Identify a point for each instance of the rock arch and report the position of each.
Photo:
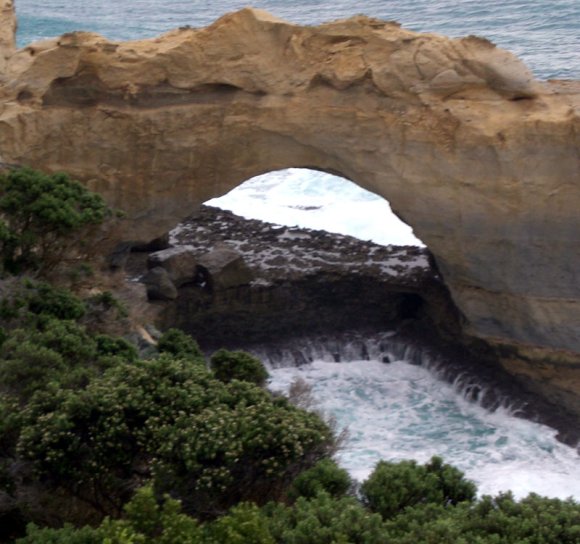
(482, 160)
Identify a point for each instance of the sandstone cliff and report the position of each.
(480, 159)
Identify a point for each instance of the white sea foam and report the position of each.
(316, 200)
(400, 411)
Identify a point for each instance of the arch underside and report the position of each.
(480, 160)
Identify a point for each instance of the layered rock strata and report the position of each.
(482, 160)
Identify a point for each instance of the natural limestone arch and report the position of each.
(478, 157)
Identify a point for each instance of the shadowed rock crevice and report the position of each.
(87, 90)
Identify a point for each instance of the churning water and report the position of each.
(395, 410)
(401, 411)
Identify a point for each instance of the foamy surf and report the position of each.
(316, 200)
(401, 411)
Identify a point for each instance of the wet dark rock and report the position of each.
(159, 285)
(179, 262)
(225, 268)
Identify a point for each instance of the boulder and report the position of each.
(223, 268)
(159, 285)
(180, 264)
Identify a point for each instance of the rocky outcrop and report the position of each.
(180, 263)
(318, 295)
(481, 160)
(257, 283)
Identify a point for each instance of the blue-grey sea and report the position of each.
(393, 411)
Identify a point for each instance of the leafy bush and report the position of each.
(326, 476)
(146, 521)
(176, 342)
(45, 299)
(394, 486)
(44, 219)
(325, 520)
(492, 520)
(116, 347)
(57, 351)
(25, 302)
(67, 535)
(209, 443)
(244, 524)
(454, 487)
(238, 365)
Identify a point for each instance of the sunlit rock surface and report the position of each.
(481, 160)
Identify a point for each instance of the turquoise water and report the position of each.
(401, 411)
(393, 411)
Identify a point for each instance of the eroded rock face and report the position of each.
(479, 158)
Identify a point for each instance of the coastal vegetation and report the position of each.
(102, 441)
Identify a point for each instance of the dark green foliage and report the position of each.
(326, 476)
(57, 351)
(27, 302)
(238, 365)
(214, 444)
(394, 486)
(151, 521)
(43, 219)
(492, 520)
(176, 342)
(454, 487)
(325, 520)
(44, 299)
(244, 524)
(67, 535)
(116, 347)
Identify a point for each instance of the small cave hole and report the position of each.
(411, 306)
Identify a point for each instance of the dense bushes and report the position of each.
(211, 444)
(176, 342)
(392, 487)
(44, 220)
(93, 422)
(326, 476)
(238, 365)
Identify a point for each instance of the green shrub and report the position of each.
(244, 524)
(454, 487)
(492, 520)
(394, 486)
(324, 520)
(28, 303)
(238, 365)
(176, 342)
(44, 219)
(208, 443)
(67, 535)
(115, 347)
(151, 521)
(45, 299)
(57, 351)
(326, 476)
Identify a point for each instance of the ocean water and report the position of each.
(401, 411)
(398, 410)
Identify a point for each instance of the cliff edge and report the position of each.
(478, 157)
